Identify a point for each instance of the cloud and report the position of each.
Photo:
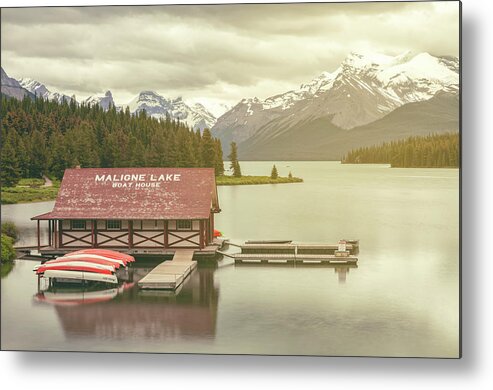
(215, 51)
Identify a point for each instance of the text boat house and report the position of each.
(133, 209)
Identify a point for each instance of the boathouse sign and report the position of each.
(141, 180)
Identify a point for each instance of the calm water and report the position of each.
(401, 300)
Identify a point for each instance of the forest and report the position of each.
(41, 137)
(432, 151)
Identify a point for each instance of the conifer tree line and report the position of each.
(46, 137)
(432, 151)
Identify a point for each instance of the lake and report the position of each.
(401, 300)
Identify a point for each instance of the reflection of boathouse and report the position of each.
(149, 314)
(133, 209)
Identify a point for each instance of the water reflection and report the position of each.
(341, 270)
(5, 269)
(76, 296)
(131, 313)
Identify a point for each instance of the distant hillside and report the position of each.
(432, 151)
(320, 139)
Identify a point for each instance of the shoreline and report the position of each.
(24, 194)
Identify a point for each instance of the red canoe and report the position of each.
(69, 267)
(87, 259)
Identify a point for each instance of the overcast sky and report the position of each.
(213, 54)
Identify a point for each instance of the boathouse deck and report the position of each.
(208, 252)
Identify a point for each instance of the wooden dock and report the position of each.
(292, 258)
(170, 274)
(287, 252)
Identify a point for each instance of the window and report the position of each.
(184, 224)
(113, 224)
(76, 224)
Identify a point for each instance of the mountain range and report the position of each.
(370, 98)
(348, 108)
(195, 115)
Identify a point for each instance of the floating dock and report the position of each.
(286, 259)
(289, 252)
(170, 274)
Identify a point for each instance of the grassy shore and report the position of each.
(32, 190)
(252, 180)
(29, 190)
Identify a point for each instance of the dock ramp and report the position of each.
(170, 274)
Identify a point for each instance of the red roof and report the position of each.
(136, 193)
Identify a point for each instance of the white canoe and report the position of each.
(78, 275)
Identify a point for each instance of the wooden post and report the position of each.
(165, 233)
(49, 232)
(212, 227)
(95, 221)
(201, 223)
(39, 238)
(92, 233)
(55, 236)
(130, 234)
(60, 226)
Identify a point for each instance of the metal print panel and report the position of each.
(278, 179)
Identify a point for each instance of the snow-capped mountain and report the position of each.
(105, 101)
(364, 88)
(40, 90)
(11, 87)
(195, 116)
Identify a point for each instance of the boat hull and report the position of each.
(80, 276)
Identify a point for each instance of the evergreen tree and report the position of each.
(273, 173)
(208, 150)
(219, 167)
(39, 155)
(233, 158)
(48, 137)
(60, 158)
(9, 164)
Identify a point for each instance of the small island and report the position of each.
(252, 180)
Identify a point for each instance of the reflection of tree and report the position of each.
(5, 269)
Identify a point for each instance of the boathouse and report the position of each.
(132, 209)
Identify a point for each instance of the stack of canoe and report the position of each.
(97, 265)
